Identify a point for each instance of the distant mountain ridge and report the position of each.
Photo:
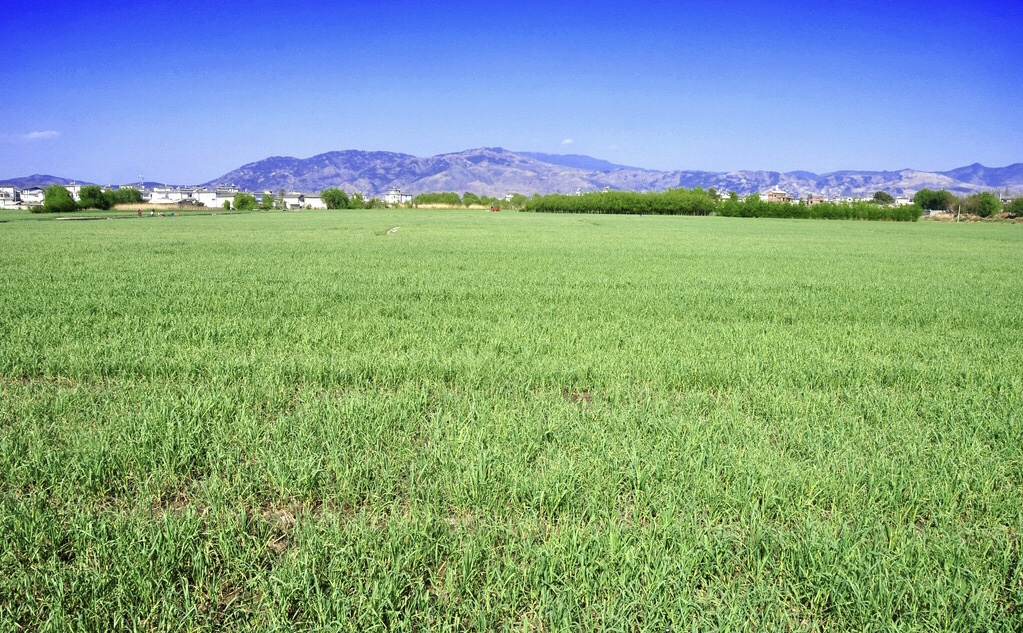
(37, 180)
(495, 171)
(577, 161)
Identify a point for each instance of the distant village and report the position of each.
(12, 197)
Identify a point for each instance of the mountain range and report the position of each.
(497, 171)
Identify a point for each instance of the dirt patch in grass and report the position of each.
(576, 396)
(282, 521)
(175, 503)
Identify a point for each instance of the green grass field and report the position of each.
(509, 421)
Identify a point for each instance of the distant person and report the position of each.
(140, 213)
(152, 213)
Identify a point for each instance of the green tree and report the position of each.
(1015, 207)
(92, 197)
(57, 199)
(935, 200)
(985, 204)
(449, 198)
(989, 204)
(245, 201)
(883, 197)
(469, 199)
(124, 195)
(266, 201)
(227, 205)
(335, 198)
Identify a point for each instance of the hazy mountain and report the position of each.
(986, 176)
(577, 161)
(490, 171)
(496, 172)
(39, 180)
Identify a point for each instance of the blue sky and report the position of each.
(183, 91)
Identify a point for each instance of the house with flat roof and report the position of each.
(168, 195)
(775, 195)
(815, 199)
(10, 197)
(32, 196)
(299, 200)
(395, 196)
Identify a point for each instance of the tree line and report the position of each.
(334, 198)
(697, 201)
(984, 203)
(700, 202)
(467, 199)
(57, 198)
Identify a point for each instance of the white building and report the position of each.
(395, 196)
(10, 197)
(211, 198)
(206, 197)
(75, 190)
(168, 195)
(32, 196)
(215, 198)
(298, 200)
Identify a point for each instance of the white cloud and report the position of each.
(567, 141)
(40, 136)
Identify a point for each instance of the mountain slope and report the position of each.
(38, 180)
(576, 161)
(495, 171)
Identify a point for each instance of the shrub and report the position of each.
(449, 198)
(58, 199)
(92, 197)
(335, 198)
(245, 201)
(124, 195)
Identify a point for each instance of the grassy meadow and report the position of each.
(509, 421)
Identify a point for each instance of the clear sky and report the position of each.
(184, 91)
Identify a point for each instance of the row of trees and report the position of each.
(335, 198)
(57, 198)
(984, 203)
(699, 202)
(467, 199)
